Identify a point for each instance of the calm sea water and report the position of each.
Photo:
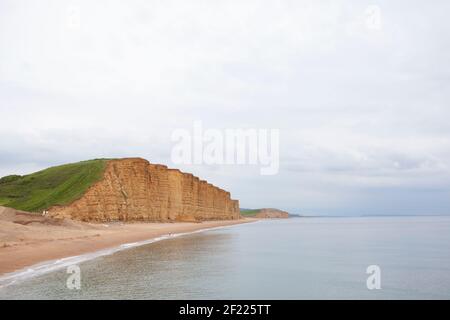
(298, 258)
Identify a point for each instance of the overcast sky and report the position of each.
(358, 89)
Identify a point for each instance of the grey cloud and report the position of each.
(362, 113)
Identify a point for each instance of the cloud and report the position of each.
(361, 103)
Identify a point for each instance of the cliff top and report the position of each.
(58, 185)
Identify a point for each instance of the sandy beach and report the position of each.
(27, 239)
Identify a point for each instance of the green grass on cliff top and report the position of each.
(59, 185)
(249, 212)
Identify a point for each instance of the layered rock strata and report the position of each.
(136, 190)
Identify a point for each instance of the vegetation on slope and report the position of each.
(249, 212)
(59, 185)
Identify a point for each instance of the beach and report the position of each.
(297, 258)
(26, 239)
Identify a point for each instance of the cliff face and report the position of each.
(136, 190)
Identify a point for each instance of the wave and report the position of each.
(57, 264)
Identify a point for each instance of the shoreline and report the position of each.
(109, 238)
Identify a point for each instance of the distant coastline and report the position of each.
(265, 213)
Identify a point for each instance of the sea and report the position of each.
(295, 258)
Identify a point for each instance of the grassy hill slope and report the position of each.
(249, 212)
(53, 186)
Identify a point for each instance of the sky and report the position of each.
(359, 91)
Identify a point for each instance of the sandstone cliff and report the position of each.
(136, 190)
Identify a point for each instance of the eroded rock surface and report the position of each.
(136, 190)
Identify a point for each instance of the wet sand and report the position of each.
(27, 239)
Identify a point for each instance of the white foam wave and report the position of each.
(54, 265)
